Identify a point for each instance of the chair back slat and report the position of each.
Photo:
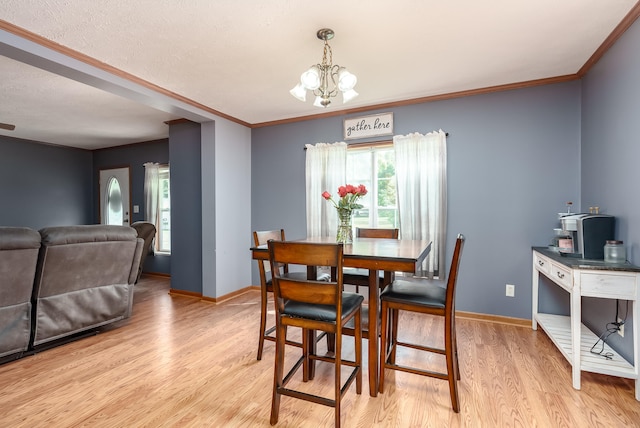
(306, 254)
(316, 292)
(362, 232)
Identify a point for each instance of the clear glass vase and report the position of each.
(345, 229)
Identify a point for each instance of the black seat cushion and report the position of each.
(327, 313)
(418, 292)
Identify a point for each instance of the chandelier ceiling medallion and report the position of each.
(326, 80)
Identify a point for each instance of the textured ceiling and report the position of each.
(240, 58)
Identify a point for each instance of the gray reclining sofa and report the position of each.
(77, 278)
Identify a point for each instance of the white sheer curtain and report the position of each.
(151, 191)
(421, 174)
(326, 169)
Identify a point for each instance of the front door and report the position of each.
(114, 196)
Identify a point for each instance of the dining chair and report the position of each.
(424, 297)
(360, 277)
(266, 287)
(313, 305)
(147, 231)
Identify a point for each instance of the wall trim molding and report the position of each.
(430, 98)
(230, 296)
(498, 319)
(617, 32)
(184, 293)
(158, 274)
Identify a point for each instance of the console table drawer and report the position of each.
(541, 263)
(561, 276)
(608, 285)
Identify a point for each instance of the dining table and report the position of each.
(375, 255)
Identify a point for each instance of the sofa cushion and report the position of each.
(61, 235)
(19, 248)
(18, 238)
(84, 279)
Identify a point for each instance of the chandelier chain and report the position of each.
(327, 48)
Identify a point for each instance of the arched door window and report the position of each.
(114, 202)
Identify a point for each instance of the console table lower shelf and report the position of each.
(558, 328)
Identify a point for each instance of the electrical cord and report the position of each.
(612, 327)
(626, 312)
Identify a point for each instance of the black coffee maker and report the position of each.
(589, 233)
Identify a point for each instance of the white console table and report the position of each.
(592, 279)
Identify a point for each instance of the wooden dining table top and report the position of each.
(396, 255)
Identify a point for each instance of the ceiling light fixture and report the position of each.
(325, 80)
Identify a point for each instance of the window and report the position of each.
(374, 166)
(114, 202)
(163, 243)
(157, 196)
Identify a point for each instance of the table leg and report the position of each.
(310, 369)
(576, 333)
(636, 339)
(535, 282)
(374, 298)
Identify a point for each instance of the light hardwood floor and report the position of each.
(182, 362)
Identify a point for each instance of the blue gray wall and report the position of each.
(186, 207)
(44, 185)
(610, 153)
(512, 165)
(134, 156)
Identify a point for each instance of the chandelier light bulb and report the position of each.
(299, 92)
(346, 81)
(311, 78)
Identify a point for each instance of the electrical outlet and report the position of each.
(621, 327)
(510, 290)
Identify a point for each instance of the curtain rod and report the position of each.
(373, 143)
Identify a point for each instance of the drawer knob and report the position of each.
(560, 275)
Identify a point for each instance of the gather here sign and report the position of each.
(368, 126)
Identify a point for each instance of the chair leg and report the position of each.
(358, 350)
(393, 339)
(263, 321)
(449, 335)
(384, 341)
(389, 326)
(455, 350)
(337, 380)
(278, 372)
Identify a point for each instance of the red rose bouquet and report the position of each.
(349, 196)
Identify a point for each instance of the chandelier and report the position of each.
(325, 80)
